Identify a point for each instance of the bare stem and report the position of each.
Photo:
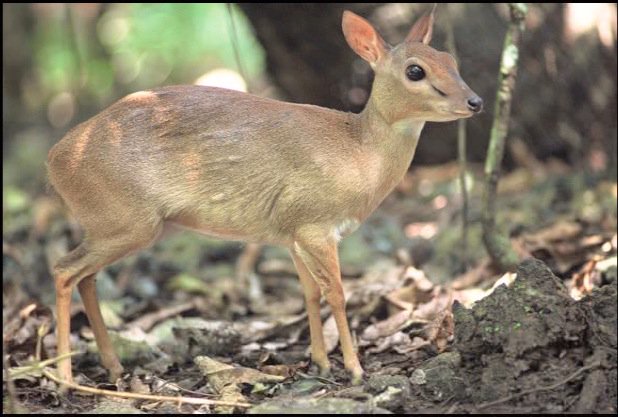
(498, 246)
(10, 387)
(461, 151)
(179, 399)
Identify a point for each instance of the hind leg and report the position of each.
(87, 290)
(244, 272)
(79, 267)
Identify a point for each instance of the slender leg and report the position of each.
(81, 264)
(319, 255)
(312, 300)
(63, 328)
(87, 290)
(244, 271)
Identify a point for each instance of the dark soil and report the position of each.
(521, 340)
(526, 348)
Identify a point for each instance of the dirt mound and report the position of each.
(531, 343)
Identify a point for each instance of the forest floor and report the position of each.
(438, 329)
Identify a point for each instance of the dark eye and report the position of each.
(415, 73)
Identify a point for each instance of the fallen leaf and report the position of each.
(565, 243)
(428, 311)
(484, 270)
(416, 343)
(440, 331)
(137, 385)
(331, 334)
(226, 379)
(393, 341)
(584, 281)
(285, 371)
(387, 327)
(220, 374)
(188, 283)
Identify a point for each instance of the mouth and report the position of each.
(463, 113)
(449, 114)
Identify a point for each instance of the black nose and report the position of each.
(475, 104)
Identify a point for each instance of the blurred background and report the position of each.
(63, 63)
(556, 200)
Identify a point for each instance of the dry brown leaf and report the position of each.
(399, 339)
(585, 280)
(148, 321)
(43, 211)
(257, 330)
(484, 270)
(378, 281)
(285, 371)
(517, 181)
(25, 312)
(331, 334)
(401, 298)
(137, 385)
(417, 290)
(564, 241)
(559, 231)
(428, 311)
(419, 278)
(226, 379)
(440, 331)
(469, 296)
(220, 374)
(387, 327)
(275, 266)
(416, 343)
(21, 329)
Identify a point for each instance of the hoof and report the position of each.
(325, 371)
(115, 374)
(113, 366)
(322, 369)
(356, 375)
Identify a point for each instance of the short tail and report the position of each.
(50, 190)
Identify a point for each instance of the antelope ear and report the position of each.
(363, 38)
(422, 29)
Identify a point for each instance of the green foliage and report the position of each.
(129, 47)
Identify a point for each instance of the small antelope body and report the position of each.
(237, 166)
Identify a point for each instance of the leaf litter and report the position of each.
(431, 336)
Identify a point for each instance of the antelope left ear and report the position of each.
(363, 38)
(422, 29)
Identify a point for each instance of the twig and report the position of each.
(461, 150)
(179, 400)
(235, 44)
(335, 393)
(38, 365)
(178, 387)
(497, 245)
(319, 378)
(10, 387)
(41, 332)
(545, 388)
(147, 321)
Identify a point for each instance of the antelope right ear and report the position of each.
(363, 38)
(422, 29)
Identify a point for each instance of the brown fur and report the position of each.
(239, 166)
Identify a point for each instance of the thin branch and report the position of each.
(498, 246)
(543, 388)
(10, 387)
(235, 44)
(461, 148)
(179, 400)
(148, 321)
(38, 365)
